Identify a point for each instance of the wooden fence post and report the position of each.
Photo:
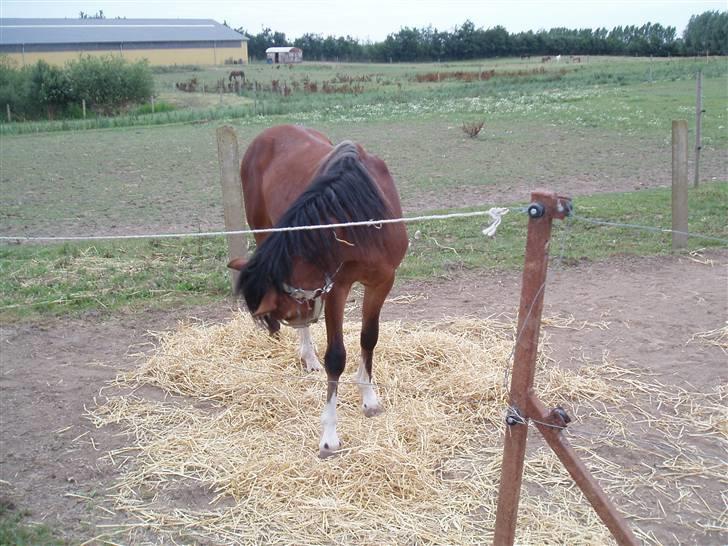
(698, 125)
(7, 109)
(232, 193)
(679, 184)
(524, 402)
(83, 107)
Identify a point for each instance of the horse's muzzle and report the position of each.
(311, 317)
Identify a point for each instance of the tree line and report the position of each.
(706, 33)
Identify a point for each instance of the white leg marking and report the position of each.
(306, 352)
(369, 401)
(329, 439)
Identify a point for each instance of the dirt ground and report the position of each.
(52, 370)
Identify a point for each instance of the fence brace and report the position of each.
(524, 402)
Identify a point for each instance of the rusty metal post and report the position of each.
(541, 212)
(551, 425)
(545, 206)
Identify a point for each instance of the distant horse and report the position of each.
(236, 74)
(293, 176)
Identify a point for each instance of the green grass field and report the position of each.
(599, 128)
(56, 279)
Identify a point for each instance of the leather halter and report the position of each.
(302, 296)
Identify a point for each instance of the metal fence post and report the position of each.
(698, 125)
(679, 184)
(524, 403)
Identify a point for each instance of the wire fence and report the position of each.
(495, 214)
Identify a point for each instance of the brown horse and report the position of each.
(293, 176)
(236, 74)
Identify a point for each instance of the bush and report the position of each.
(13, 87)
(50, 88)
(109, 83)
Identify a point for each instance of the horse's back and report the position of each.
(277, 167)
(281, 163)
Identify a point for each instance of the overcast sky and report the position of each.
(374, 19)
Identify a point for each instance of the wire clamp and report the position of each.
(559, 417)
(514, 417)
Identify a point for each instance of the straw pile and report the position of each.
(229, 453)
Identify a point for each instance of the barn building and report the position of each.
(160, 41)
(284, 55)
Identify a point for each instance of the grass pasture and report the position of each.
(597, 130)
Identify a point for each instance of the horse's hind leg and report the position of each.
(306, 351)
(374, 297)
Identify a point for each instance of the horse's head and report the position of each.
(297, 303)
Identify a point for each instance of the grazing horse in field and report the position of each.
(293, 176)
(236, 74)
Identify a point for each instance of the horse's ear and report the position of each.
(237, 263)
(267, 304)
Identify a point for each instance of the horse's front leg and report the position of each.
(374, 297)
(334, 363)
(307, 352)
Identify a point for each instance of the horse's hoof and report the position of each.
(372, 411)
(314, 366)
(325, 452)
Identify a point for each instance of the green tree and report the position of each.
(51, 88)
(707, 33)
(110, 83)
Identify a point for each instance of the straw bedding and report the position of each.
(229, 453)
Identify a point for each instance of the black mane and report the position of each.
(342, 191)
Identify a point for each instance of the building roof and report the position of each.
(80, 31)
(282, 49)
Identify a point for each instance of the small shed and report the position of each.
(284, 55)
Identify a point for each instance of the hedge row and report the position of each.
(107, 84)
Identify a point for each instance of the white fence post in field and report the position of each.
(679, 183)
(232, 193)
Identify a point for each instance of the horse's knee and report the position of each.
(335, 359)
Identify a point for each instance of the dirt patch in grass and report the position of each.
(643, 313)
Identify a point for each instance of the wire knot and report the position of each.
(496, 213)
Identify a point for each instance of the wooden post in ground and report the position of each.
(7, 109)
(152, 104)
(83, 107)
(698, 125)
(679, 184)
(524, 403)
(232, 193)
